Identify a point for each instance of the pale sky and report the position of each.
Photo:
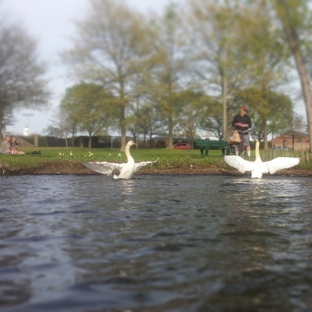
(50, 22)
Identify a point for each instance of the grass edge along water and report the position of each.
(168, 158)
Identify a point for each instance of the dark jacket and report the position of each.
(242, 119)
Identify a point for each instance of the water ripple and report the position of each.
(155, 243)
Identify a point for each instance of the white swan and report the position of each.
(258, 167)
(127, 170)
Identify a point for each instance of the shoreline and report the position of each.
(76, 168)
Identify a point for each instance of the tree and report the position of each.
(61, 125)
(146, 120)
(236, 48)
(91, 106)
(296, 129)
(53, 131)
(215, 39)
(211, 118)
(21, 73)
(151, 122)
(109, 45)
(194, 105)
(67, 117)
(295, 17)
(169, 66)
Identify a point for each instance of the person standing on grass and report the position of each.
(242, 123)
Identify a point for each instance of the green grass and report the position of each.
(168, 159)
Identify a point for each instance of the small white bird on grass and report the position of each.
(127, 170)
(258, 167)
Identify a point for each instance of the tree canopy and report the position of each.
(88, 107)
(232, 53)
(21, 73)
(107, 50)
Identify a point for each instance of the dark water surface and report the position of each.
(155, 243)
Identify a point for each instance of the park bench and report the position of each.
(206, 145)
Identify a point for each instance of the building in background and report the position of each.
(297, 141)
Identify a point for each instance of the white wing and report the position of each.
(141, 164)
(239, 163)
(280, 163)
(103, 167)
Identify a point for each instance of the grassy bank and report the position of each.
(68, 161)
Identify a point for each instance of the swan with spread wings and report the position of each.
(258, 167)
(126, 170)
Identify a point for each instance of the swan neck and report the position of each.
(127, 151)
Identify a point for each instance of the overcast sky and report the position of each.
(50, 22)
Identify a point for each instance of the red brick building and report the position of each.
(295, 140)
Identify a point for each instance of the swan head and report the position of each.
(131, 143)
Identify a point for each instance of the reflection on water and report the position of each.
(155, 243)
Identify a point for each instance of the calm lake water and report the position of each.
(155, 243)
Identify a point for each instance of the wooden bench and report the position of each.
(206, 145)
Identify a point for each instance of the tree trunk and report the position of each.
(90, 141)
(225, 135)
(295, 47)
(122, 113)
(1, 129)
(136, 141)
(265, 131)
(145, 143)
(73, 139)
(123, 128)
(170, 135)
(305, 85)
